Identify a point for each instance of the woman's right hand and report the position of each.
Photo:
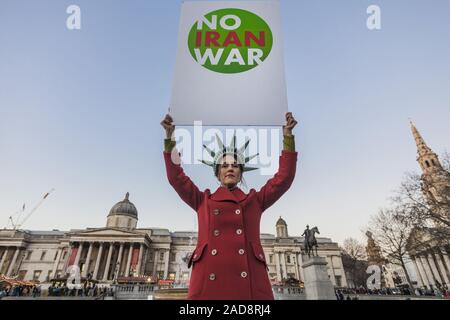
(168, 126)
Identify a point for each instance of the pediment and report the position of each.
(108, 232)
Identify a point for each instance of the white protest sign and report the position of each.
(229, 66)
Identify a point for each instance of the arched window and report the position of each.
(427, 163)
(432, 161)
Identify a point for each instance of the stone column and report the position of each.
(141, 251)
(343, 275)
(145, 257)
(97, 261)
(13, 262)
(277, 264)
(434, 269)
(166, 264)
(108, 261)
(130, 253)
(423, 273)
(119, 259)
(420, 280)
(296, 267)
(5, 253)
(283, 265)
(333, 276)
(441, 268)
(446, 260)
(155, 263)
(77, 258)
(55, 265)
(300, 263)
(427, 271)
(88, 259)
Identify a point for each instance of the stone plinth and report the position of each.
(318, 285)
(171, 294)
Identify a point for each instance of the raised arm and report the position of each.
(182, 184)
(282, 180)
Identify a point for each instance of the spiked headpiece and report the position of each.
(232, 150)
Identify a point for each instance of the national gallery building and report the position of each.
(122, 250)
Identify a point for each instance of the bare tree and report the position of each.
(354, 261)
(391, 234)
(354, 249)
(416, 205)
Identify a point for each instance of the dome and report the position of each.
(281, 222)
(125, 208)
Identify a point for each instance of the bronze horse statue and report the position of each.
(310, 241)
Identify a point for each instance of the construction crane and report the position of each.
(18, 224)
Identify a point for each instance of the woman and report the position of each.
(229, 261)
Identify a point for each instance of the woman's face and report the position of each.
(229, 171)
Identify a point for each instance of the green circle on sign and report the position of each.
(230, 41)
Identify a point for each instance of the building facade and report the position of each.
(431, 259)
(123, 250)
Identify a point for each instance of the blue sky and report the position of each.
(80, 110)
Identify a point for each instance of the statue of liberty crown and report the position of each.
(233, 150)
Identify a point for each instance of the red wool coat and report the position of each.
(229, 261)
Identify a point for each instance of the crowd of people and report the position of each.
(56, 291)
(403, 291)
(91, 290)
(20, 291)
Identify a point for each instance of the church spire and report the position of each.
(422, 147)
(427, 159)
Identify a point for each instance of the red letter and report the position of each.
(261, 41)
(232, 38)
(212, 37)
(198, 39)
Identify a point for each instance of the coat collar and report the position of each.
(223, 194)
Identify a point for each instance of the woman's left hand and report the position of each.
(290, 124)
